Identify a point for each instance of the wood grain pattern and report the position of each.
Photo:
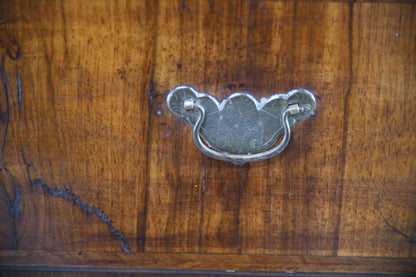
(378, 201)
(225, 68)
(91, 119)
(187, 274)
(291, 205)
(224, 262)
(93, 165)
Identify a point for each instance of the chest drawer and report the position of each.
(97, 173)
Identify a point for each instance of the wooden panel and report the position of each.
(224, 262)
(291, 204)
(225, 72)
(174, 191)
(378, 211)
(93, 165)
(190, 38)
(187, 274)
(79, 71)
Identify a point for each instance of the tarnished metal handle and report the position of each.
(240, 129)
(191, 104)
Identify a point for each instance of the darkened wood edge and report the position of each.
(137, 262)
(352, 1)
(184, 272)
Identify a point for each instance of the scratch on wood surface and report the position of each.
(14, 209)
(19, 91)
(408, 238)
(150, 93)
(391, 226)
(70, 195)
(5, 117)
(345, 127)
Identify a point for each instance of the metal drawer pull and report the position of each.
(240, 129)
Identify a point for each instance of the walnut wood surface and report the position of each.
(219, 262)
(37, 273)
(101, 167)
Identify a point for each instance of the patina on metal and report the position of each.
(240, 129)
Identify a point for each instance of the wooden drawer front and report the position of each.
(99, 167)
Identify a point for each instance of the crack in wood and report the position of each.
(70, 195)
(11, 47)
(14, 209)
(408, 238)
(344, 138)
(395, 229)
(150, 93)
(19, 91)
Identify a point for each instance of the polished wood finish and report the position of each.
(187, 274)
(224, 262)
(102, 168)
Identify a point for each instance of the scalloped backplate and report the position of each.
(240, 124)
